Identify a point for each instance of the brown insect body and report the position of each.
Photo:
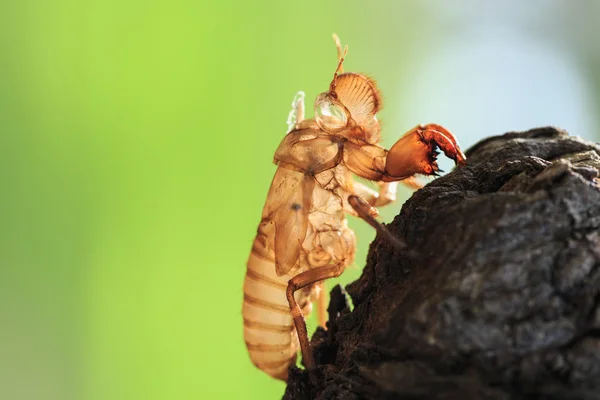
(303, 237)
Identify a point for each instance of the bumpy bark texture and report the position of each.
(504, 300)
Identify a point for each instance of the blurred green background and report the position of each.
(136, 141)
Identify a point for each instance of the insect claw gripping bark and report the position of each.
(303, 237)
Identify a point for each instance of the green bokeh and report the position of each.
(137, 140)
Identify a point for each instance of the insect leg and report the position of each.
(387, 191)
(365, 211)
(298, 282)
(385, 195)
(322, 305)
(416, 152)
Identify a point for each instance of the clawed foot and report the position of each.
(416, 152)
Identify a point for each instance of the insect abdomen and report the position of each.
(269, 331)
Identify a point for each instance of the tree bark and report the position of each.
(503, 301)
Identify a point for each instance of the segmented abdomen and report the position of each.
(269, 330)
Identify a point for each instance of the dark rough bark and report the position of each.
(504, 302)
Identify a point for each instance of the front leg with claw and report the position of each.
(414, 153)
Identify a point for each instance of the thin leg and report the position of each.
(385, 195)
(322, 306)
(364, 210)
(298, 282)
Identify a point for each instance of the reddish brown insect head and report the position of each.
(330, 114)
(416, 151)
(354, 95)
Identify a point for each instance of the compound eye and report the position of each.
(330, 116)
